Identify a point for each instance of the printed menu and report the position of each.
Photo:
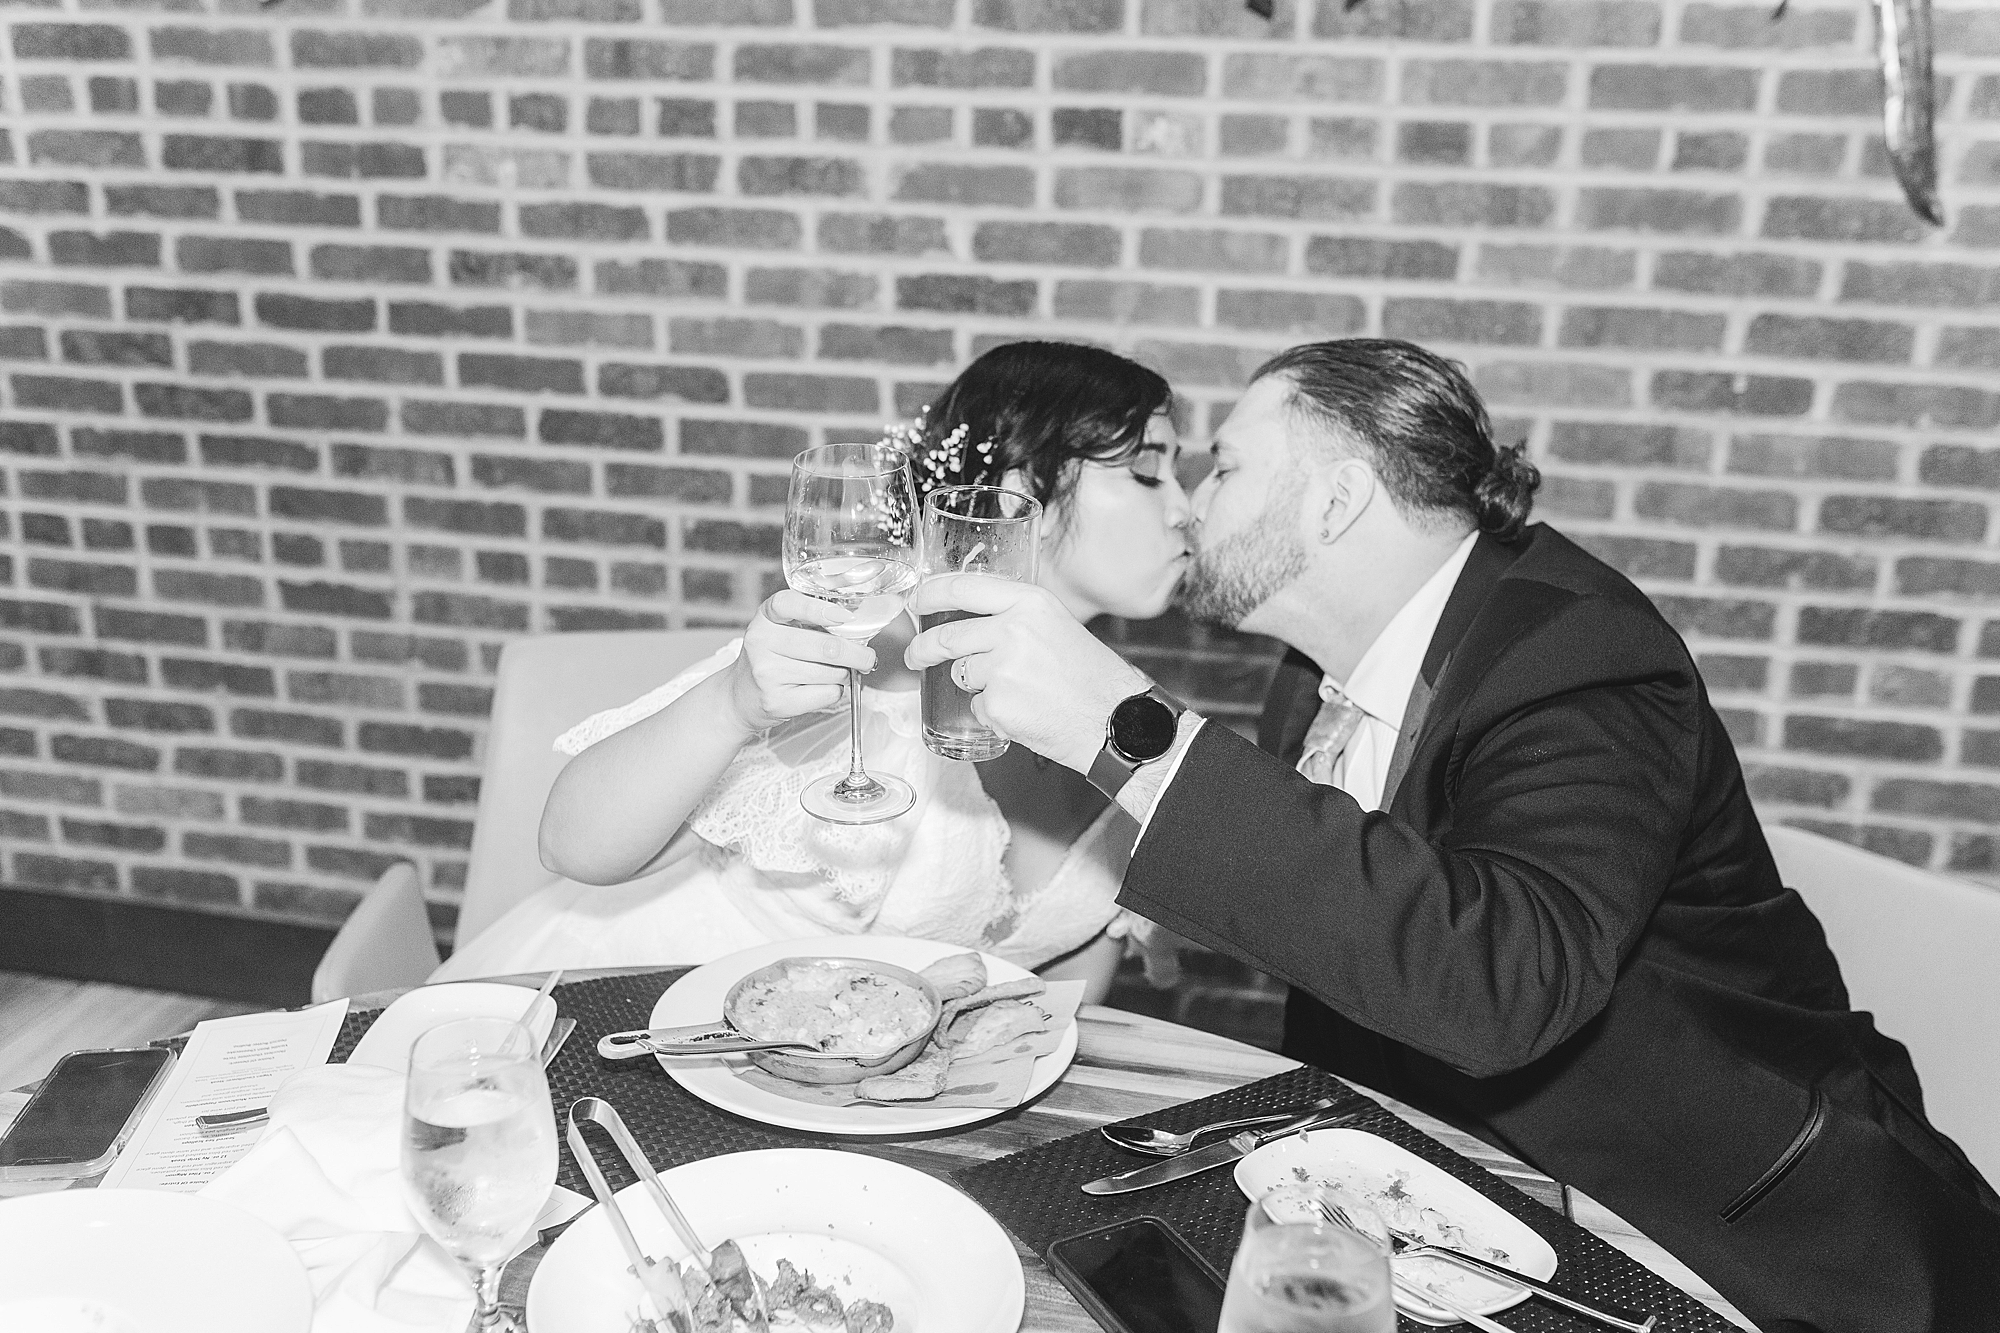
(230, 1064)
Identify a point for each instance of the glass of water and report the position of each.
(1299, 1272)
(479, 1147)
(971, 530)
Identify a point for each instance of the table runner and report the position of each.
(1035, 1193)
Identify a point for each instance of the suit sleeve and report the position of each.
(1489, 939)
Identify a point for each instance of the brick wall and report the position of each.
(348, 338)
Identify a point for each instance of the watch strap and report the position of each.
(1109, 773)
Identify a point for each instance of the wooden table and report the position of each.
(1127, 1065)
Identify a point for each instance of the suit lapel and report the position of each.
(1414, 714)
(1290, 706)
(1485, 564)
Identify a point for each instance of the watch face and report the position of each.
(1143, 728)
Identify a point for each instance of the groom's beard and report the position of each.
(1226, 582)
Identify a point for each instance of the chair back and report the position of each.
(385, 943)
(1918, 951)
(547, 684)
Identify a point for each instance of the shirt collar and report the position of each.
(1381, 682)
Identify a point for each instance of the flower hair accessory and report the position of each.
(935, 464)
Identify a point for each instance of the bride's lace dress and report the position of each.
(766, 870)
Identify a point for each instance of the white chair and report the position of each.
(385, 943)
(1918, 950)
(545, 686)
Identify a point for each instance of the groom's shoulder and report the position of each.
(1554, 585)
(1561, 571)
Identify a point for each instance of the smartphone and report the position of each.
(1140, 1276)
(78, 1119)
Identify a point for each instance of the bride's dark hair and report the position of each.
(1039, 408)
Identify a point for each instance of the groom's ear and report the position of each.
(1338, 497)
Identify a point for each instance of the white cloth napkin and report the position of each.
(325, 1176)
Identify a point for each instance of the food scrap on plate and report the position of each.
(793, 1299)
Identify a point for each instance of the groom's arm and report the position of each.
(1488, 943)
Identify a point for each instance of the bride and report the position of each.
(676, 826)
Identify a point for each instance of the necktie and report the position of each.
(1328, 735)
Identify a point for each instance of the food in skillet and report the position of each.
(842, 1010)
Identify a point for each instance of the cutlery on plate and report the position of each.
(1414, 1247)
(1337, 1216)
(1217, 1154)
(661, 1281)
(1407, 1246)
(695, 1039)
(725, 1265)
(257, 1115)
(1162, 1143)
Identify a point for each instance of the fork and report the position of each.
(1406, 1246)
(1627, 1321)
(1337, 1216)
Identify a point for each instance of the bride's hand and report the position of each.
(790, 665)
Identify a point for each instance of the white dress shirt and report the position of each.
(1380, 685)
(1382, 680)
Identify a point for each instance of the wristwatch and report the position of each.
(1140, 729)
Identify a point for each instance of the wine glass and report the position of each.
(479, 1147)
(851, 538)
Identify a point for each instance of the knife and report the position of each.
(1216, 1154)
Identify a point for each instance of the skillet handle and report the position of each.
(698, 1039)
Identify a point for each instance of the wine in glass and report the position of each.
(479, 1147)
(851, 539)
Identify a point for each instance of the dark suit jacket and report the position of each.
(1566, 933)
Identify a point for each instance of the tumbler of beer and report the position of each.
(971, 530)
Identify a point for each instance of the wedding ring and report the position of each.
(958, 676)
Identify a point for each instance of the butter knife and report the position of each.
(1216, 1154)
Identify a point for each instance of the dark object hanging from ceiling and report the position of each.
(1909, 101)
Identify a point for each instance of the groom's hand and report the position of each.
(1038, 676)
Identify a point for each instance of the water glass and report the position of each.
(479, 1147)
(971, 530)
(1299, 1272)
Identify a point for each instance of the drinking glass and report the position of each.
(851, 538)
(1305, 1274)
(479, 1147)
(971, 530)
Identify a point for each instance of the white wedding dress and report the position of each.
(765, 870)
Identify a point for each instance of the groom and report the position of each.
(1499, 844)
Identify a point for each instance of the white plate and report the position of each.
(697, 998)
(872, 1229)
(146, 1261)
(395, 1030)
(1412, 1196)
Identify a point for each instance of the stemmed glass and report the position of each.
(479, 1147)
(851, 538)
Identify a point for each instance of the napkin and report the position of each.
(326, 1176)
(996, 1079)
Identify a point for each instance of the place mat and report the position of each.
(1036, 1194)
(672, 1126)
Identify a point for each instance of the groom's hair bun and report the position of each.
(1418, 420)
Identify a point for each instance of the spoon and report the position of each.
(1160, 1143)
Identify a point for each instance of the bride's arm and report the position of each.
(618, 809)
